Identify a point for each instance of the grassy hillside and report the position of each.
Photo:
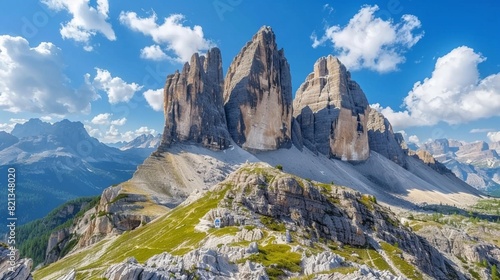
(172, 233)
(175, 233)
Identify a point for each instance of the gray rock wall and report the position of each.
(193, 104)
(332, 111)
(258, 95)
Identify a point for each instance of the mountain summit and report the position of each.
(332, 112)
(193, 104)
(258, 95)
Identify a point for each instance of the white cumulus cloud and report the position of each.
(119, 122)
(413, 139)
(105, 119)
(182, 41)
(494, 136)
(115, 87)
(371, 42)
(454, 93)
(101, 119)
(9, 126)
(46, 118)
(154, 52)
(32, 80)
(154, 98)
(86, 20)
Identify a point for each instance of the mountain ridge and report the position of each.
(473, 162)
(60, 161)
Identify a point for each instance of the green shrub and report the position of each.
(118, 197)
(272, 224)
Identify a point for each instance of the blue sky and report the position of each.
(97, 61)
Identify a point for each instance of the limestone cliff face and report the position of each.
(193, 104)
(383, 140)
(258, 95)
(332, 112)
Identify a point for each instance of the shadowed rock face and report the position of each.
(258, 95)
(383, 140)
(332, 112)
(193, 104)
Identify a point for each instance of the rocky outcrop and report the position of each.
(197, 264)
(116, 213)
(332, 111)
(382, 139)
(13, 267)
(324, 261)
(193, 104)
(258, 95)
(364, 273)
(57, 242)
(315, 212)
(298, 203)
(458, 243)
(429, 160)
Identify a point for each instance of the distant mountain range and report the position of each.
(476, 163)
(143, 141)
(58, 162)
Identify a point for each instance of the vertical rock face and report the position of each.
(332, 112)
(258, 95)
(383, 140)
(193, 104)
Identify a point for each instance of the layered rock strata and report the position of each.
(193, 104)
(332, 112)
(258, 95)
(382, 138)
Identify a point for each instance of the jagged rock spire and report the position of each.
(258, 95)
(193, 104)
(332, 110)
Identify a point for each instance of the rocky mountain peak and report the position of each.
(474, 147)
(258, 95)
(7, 139)
(332, 112)
(33, 127)
(193, 104)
